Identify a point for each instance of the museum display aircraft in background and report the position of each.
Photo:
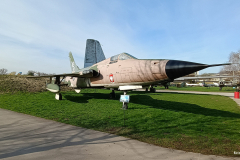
(204, 79)
(189, 84)
(122, 72)
(182, 79)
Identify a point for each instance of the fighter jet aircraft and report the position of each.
(121, 72)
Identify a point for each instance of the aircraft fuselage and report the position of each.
(113, 74)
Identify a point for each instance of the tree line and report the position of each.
(3, 71)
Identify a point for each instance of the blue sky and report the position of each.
(38, 35)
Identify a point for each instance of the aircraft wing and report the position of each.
(83, 74)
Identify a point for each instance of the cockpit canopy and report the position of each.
(122, 56)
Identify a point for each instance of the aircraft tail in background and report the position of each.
(73, 65)
(93, 53)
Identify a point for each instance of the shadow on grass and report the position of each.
(145, 99)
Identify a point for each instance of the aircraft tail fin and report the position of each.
(93, 53)
(73, 65)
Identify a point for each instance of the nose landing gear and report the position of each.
(153, 90)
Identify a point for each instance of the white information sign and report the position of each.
(125, 98)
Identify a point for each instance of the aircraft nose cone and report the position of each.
(175, 69)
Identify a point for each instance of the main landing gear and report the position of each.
(166, 86)
(58, 96)
(112, 94)
(153, 90)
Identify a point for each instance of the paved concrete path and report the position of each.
(24, 137)
(230, 95)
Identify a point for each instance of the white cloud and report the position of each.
(44, 37)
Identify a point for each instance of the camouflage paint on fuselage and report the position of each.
(117, 72)
(122, 71)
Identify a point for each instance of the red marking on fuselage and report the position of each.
(111, 78)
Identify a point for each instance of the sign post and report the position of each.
(125, 99)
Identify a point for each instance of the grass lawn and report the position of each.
(205, 124)
(201, 89)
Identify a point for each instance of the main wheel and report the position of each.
(112, 95)
(153, 90)
(58, 96)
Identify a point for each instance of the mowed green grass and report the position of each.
(198, 123)
(200, 89)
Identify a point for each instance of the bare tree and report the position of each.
(234, 68)
(3, 71)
